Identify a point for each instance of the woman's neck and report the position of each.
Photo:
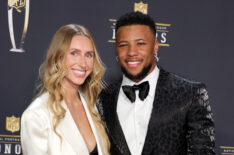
(70, 92)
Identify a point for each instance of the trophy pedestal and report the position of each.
(20, 50)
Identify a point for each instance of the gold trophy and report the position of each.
(19, 6)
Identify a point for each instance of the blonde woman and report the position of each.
(62, 120)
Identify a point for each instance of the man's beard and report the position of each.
(140, 75)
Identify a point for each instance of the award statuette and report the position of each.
(19, 6)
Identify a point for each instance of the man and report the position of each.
(151, 111)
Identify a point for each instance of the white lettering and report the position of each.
(17, 149)
(7, 149)
(113, 34)
(163, 40)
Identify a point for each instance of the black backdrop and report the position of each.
(197, 42)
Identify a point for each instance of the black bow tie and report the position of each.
(130, 91)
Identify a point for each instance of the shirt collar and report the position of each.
(152, 78)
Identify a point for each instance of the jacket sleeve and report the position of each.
(200, 135)
(34, 134)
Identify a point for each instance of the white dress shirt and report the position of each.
(134, 117)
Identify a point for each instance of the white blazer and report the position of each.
(39, 138)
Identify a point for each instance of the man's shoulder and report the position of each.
(108, 97)
(112, 87)
(178, 81)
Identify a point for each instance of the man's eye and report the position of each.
(141, 43)
(122, 45)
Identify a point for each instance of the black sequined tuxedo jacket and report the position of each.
(181, 120)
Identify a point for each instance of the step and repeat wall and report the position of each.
(196, 41)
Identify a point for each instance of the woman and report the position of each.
(62, 120)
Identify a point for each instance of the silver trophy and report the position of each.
(18, 6)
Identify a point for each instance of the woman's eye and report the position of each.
(73, 53)
(89, 55)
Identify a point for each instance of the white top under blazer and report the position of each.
(39, 138)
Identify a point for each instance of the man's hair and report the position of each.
(135, 18)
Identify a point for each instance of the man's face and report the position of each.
(136, 47)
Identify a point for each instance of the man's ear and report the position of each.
(156, 46)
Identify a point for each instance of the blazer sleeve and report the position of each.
(34, 134)
(200, 136)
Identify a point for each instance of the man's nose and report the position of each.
(132, 50)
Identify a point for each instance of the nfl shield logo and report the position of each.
(141, 7)
(12, 124)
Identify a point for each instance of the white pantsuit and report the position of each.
(39, 138)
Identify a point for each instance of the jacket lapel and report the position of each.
(69, 131)
(95, 132)
(109, 104)
(153, 130)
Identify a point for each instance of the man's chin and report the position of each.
(132, 74)
(137, 76)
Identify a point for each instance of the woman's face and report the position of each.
(79, 60)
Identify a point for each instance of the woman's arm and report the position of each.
(34, 134)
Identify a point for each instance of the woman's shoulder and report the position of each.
(39, 104)
(38, 108)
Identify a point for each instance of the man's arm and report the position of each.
(200, 136)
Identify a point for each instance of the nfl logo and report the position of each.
(12, 124)
(141, 7)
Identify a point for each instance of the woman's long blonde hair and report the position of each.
(52, 72)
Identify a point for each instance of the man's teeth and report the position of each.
(133, 62)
